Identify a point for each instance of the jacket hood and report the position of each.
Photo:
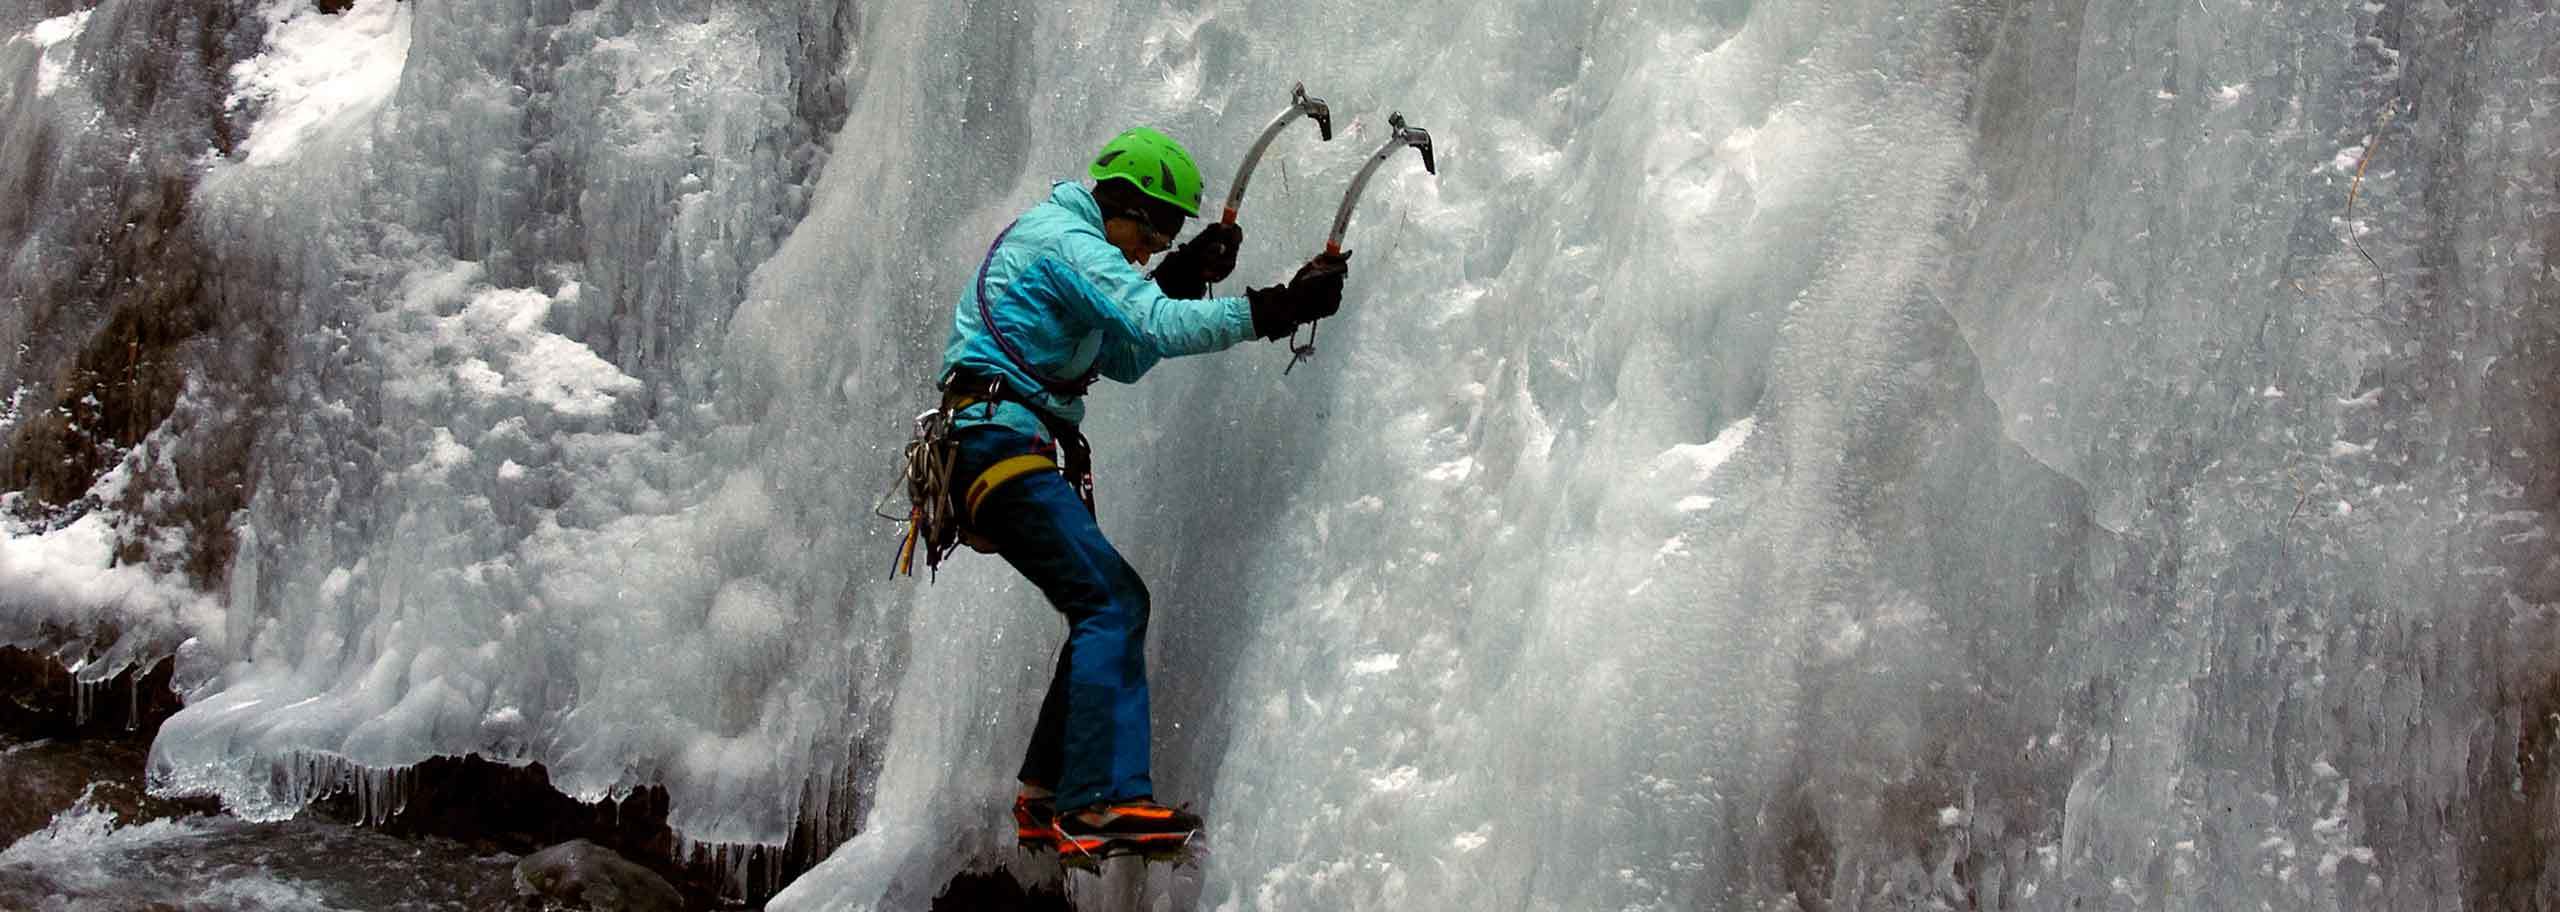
(1076, 198)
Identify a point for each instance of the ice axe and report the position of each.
(1299, 106)
(1402, 135)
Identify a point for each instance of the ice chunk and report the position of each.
(1472, 840)
(1702, 459)
(1378, 664)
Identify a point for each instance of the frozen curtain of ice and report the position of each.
(2029, 454)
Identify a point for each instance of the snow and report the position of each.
(499, 352)
(69, 578)
(55, 38)
(319, 74)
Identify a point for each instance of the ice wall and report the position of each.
(1826, 456)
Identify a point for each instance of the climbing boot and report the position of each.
(1135, 827)
(1035, 822)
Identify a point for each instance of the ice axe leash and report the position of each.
(1403, 134)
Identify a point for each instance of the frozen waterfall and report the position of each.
(1876, 454)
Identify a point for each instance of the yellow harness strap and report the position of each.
(1003, 471)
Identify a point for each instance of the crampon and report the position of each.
(1142, 828)
(1088, 853)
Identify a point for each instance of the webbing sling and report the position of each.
(962, 389)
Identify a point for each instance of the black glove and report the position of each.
(1314, 294)
(1204, 260)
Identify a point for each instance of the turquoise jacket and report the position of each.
(1066, 306)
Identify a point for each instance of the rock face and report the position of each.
(583, 875)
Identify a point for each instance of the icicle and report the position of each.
(743, 869)
(404, 784)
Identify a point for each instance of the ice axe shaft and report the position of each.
(1403, 135)
(1299, 106)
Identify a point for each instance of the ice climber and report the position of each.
(1058, 302)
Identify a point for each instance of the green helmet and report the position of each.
(1153, 163)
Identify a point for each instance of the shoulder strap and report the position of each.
(1071, 389)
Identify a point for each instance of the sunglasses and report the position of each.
(1156, 237)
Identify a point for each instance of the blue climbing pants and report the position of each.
(1090, 743)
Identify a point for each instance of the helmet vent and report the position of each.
(1107, 158)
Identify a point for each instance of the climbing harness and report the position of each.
(962, 390)
(1402, 135)
(937, 521)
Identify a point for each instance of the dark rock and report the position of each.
(45, 778)
(583, 875)
(999, 890)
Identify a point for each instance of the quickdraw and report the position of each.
(933, 524)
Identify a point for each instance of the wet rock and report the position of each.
(583, 875)
(46, 777)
